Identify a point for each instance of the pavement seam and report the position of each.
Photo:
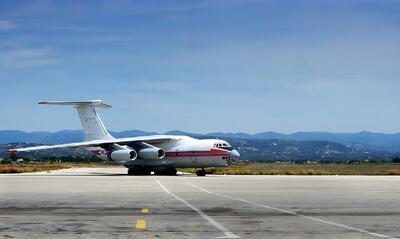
(220, 227)
(293, 213)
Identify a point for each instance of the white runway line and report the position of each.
(294, 213)
(227, 233)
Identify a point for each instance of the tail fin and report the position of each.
(92, 125)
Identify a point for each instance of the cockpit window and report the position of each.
(225, 146)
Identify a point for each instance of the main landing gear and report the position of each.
(201, 172)
(166, 171)
(147, 171)
(139, 171)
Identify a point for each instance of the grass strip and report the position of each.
(305, 169)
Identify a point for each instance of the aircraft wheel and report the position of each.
(145, 171)
(172, 171)
(166, 171)
(201, 172)
(131, 171)
(139, 171)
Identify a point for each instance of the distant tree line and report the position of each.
(396, 159)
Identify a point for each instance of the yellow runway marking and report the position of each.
(140, 224)
(144, 210)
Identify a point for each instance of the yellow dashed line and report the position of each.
(140, 224)
(144, 210)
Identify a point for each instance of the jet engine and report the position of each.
(151, 153)
(123, 155)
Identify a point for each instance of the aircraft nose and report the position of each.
(235, 154)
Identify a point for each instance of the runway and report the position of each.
(105, 203)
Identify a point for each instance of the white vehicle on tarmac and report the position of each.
(161, 154)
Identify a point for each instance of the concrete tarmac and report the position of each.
(106, 203)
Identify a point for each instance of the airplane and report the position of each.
(160, 154)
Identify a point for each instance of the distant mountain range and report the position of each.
(359, 141)
(250, 149)
(270, 146)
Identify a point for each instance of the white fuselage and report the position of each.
(183, 152)
(163, 153)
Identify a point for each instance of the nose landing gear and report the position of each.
(201, 172)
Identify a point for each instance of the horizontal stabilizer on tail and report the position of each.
(92, 125)
(95, 103)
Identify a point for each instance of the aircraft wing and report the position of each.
(93, 143)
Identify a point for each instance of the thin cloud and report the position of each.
(150, 87)
(30, 8)
(26, 58)
(7, 25)
(120, 7)
(126, 7)
(100, 39)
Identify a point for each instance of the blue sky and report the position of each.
(201, 66)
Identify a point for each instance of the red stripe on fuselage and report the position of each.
(210, 153)
(218, 150)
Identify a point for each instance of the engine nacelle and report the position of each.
(123, 155)
(151, 153)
